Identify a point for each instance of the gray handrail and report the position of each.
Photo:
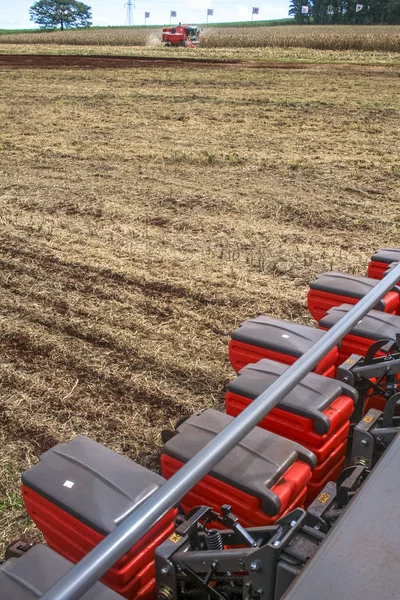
(93, 566)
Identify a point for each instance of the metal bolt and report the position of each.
(255, 566)
(276, 544)
(260, 591)
(364, 443)
(345, 379)
(248, 584)
(164, 571)
(293, 523)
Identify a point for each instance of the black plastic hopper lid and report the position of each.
(308, 399)
(92, 483)
(36, 572)
(284, 337)
(254, 465)
(376, 325)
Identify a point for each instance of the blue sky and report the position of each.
(14, 14)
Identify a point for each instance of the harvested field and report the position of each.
(93, 61)
(267, 54)
(145, 212)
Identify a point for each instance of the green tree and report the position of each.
(393, 13)
(344, 11)
(378, 11)
(336, 11)
(50, 14)
(319, 11)
(295, 10)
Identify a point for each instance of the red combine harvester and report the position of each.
(182, 35)
(293, 493)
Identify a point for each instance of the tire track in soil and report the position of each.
(104, 341)
(21, 348)
(39, 437)
(85, 273)
(21, 345)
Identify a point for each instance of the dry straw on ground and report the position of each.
(145, 213)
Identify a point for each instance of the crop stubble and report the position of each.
(144, 213)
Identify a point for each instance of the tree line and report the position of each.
(352, 12)
(50, 14)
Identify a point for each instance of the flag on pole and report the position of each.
(210, 12)
(255, 10)
(173, 13)
(304, 10)
(359, 7)
(147, 15)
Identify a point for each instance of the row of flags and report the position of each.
(210, 12)
(255, 11)
(305, 9)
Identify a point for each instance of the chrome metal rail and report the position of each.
(93, 566)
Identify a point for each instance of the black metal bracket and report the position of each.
(373, 434)
(389, 411)
(202, 583)
(349, 482)
(253, 563)
(17, 548)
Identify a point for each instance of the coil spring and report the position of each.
(214, 540)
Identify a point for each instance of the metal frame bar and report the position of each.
(93, 566)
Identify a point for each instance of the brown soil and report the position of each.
(145, 212)
(47, 61)
(40, 61)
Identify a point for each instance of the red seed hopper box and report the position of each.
(285, 342)
(79, 492)
(380, 261)
(334, 288)
(263, 477)
(315, 413)
(376, 325)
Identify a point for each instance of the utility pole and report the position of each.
(129, 14)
